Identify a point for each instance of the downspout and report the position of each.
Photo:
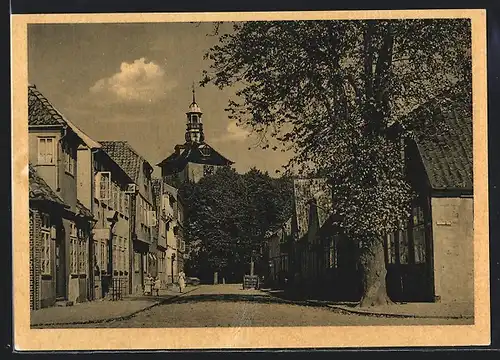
(92, 255)
(58, 160)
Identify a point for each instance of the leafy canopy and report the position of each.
(228, 215)
(336, 94)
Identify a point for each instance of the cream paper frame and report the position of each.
(245, 337)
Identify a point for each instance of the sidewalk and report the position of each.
(100, 311)
(451, 310)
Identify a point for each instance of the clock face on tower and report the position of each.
(208, 170)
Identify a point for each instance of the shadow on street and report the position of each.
(262, 299)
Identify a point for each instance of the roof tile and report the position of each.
(40, 190)
(125, 156)
(447, 158)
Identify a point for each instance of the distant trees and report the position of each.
(227, 217)
(336, 92)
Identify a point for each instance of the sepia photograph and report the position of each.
(211, 173)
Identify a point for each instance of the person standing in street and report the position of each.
(157, 285)
(182, 281)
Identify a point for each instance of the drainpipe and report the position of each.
(92, 211)
(58, 159)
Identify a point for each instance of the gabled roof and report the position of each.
(40, 190)
(308, 190)
(170, 190)
(194, 153)
(82, 210)
(126, 157)
(447, 158)
(42, 112)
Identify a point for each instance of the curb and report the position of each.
(393, 315)
(362, 312)
(119, 318)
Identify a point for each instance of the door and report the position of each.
(60, 268)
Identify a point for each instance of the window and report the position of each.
(104, 255)
(125, 204)
(403, 247)
(151, 216)
(82, 253)
(123, 265)
(121, 205)
(46, 151)
(194, 119)
(69, 161)
(46, 253)
(114, 195)
(145, 263)
(419, 235)
(137, 262)
(103, 185)
(114, 255)
(73, 248)
(391, 248)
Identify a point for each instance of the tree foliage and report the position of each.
(227, 217)
(336, 92)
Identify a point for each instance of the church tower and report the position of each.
(195, 158)
(194, 125)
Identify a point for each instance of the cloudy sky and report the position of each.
(133, 82)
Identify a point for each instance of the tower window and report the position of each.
(194, 119)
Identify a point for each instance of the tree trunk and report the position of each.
(373, 275)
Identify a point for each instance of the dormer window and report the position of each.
(205, 151)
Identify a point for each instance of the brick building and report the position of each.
(53, 144)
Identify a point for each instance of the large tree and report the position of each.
(227, 217)
(336, 94)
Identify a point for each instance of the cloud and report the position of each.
(140, 81)
(235, 132)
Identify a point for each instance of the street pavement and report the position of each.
(229, 305)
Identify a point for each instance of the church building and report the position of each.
(195, 158)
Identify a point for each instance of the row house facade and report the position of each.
(106, 189)
(171, 245)
(61, 230)
(430, 260)
(141, 212)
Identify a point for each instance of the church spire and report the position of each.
(194, 126)
(194, 95)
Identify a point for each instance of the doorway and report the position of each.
(60, 267)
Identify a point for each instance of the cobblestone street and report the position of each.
(230, 305)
